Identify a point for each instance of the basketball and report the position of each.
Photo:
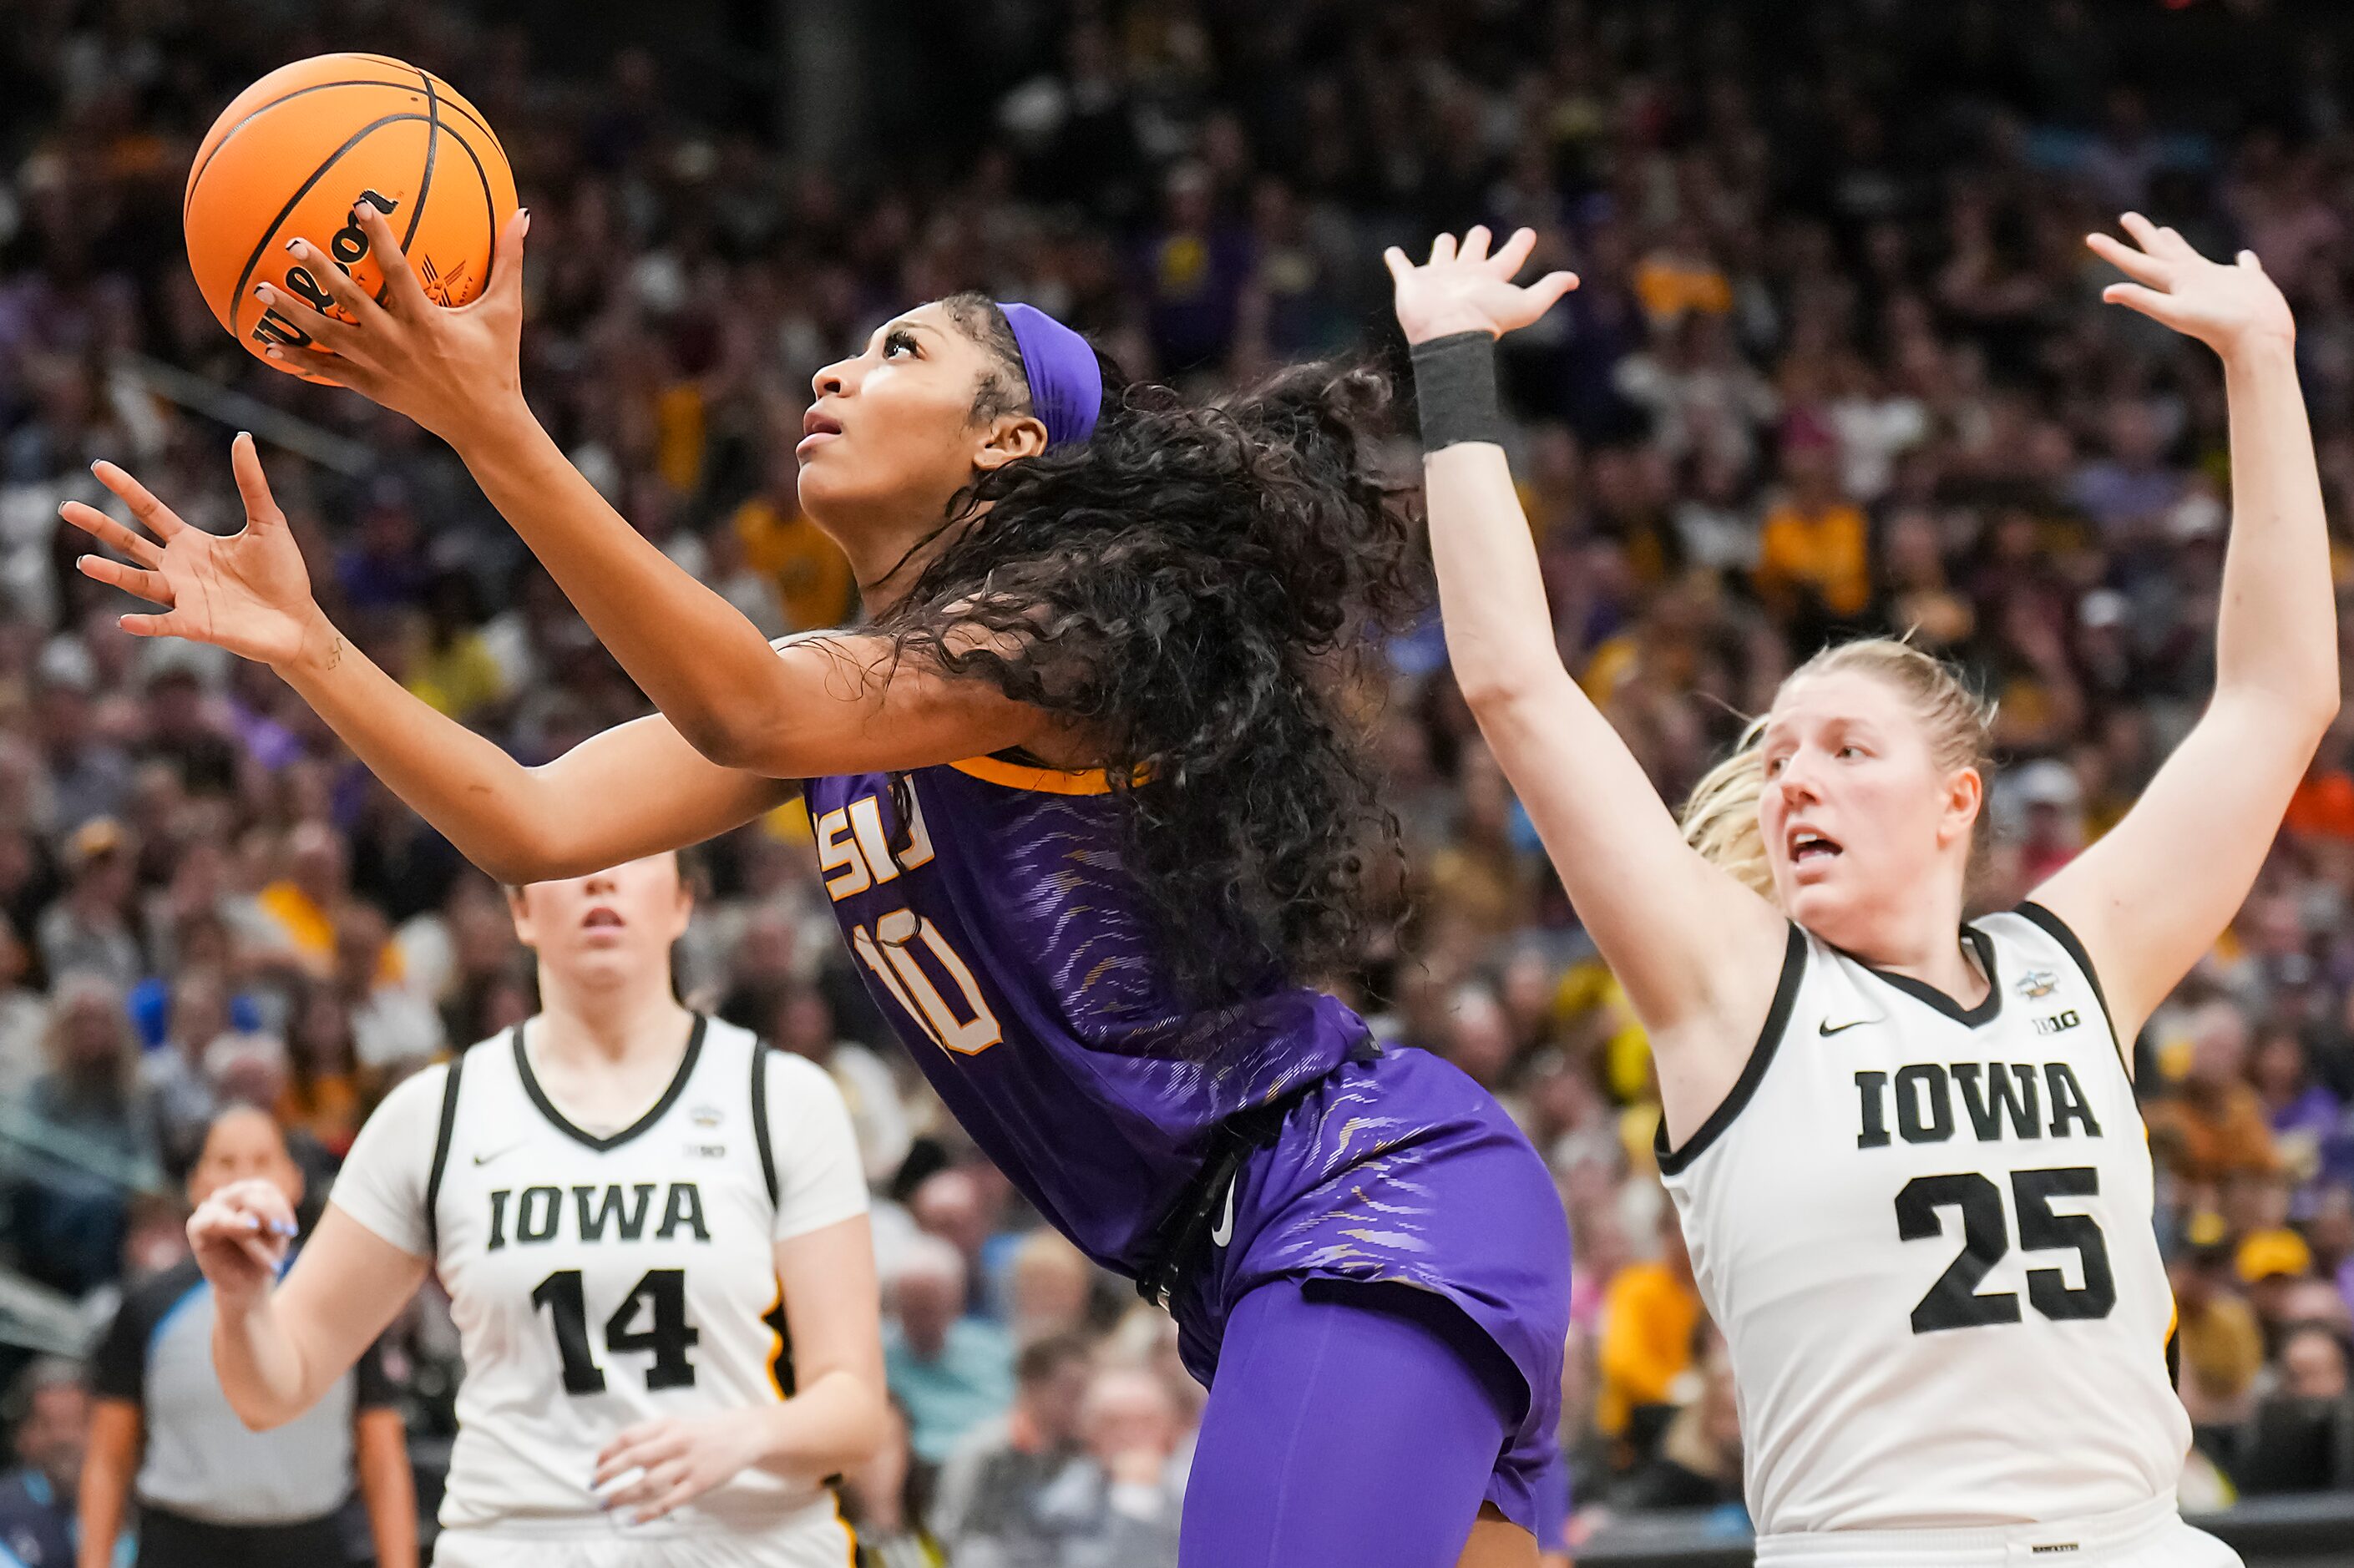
(293, 153)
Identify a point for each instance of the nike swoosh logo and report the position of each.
(496, 1154)
(1827, 1028)
(1224, 1230)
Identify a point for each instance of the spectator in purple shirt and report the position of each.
(2131, 490)
(385, 566)
(2304, 1113)
(1195, 268)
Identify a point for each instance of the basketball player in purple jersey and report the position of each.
(1086, 807)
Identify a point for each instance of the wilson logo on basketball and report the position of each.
(349, 245)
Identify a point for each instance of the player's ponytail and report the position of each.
(1186, 586)
(1720, 818)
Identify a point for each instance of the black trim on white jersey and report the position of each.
(761, 1117)
(441, 1155)
(1753, 1072)
(669, 1098)
(1990, 1007)
(2059, 931)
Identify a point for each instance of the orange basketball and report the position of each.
(293, 156)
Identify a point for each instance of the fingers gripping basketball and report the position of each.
(296, 154)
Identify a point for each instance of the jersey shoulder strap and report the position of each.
(760, 1049)
(2059, 931)
(1673, 1161)
(441, 1134)
(2064, 938)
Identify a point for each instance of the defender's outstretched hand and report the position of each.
(249, 592)
(1466, 290)
(2228, 307)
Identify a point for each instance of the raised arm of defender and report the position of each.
(1694, 947)
(1698, 952)
(2145, 902)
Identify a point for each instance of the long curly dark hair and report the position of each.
(1190, 587)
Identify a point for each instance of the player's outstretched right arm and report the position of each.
(1698, 952)
(634, 791)
(279, 1347)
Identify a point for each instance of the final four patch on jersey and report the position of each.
(2038, 982)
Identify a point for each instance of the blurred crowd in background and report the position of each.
(1839, 364)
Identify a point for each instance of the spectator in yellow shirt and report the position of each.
(1680, 277)
(1649, 1315)
(2220, 1345)
(1591, 1009)
(811, 573)
(2213, 1125)
(1815, 553)
(310, 901)
(301, 900)
(449, 665)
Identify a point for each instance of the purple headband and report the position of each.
(1066, 380)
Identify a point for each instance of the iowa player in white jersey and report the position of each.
(654, 1232)
(1905, 1147)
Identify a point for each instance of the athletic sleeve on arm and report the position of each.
(820, 1182)
(382, 1184)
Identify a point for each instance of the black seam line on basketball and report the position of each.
(260, 110)
(237, 299)
(196, 176)
(661, 1106)
(424, 181)
(490, 209)
(490, 203)
(1753, 1071)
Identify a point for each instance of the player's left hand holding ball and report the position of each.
(678, 1458)
(240, 1235)
(451, 369)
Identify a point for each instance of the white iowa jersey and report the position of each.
(601, 1281)
(1925, 1232)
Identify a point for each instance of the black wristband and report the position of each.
(1455, 390)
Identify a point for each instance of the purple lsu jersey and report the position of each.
(996, 928)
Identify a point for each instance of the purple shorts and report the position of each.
(1401, 1183)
